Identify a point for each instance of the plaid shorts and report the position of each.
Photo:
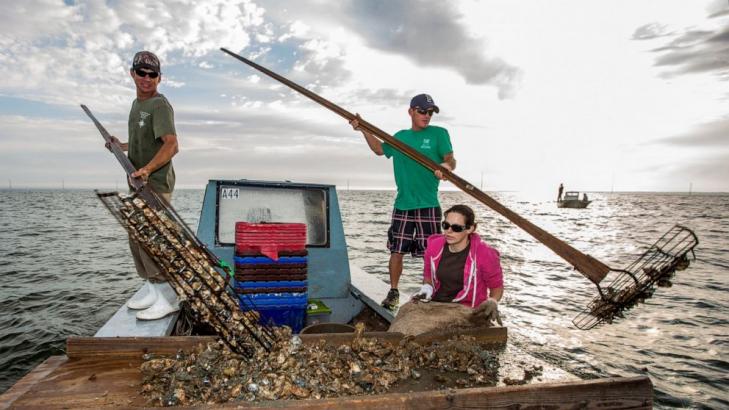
(410, 229)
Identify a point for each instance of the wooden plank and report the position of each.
(482, 334)
(602, 394)
(104, 372)
(98, 377)
(79, 347)
(112, 382)
(82, 347)
(29, 380)
(100, 382)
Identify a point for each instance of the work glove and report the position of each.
(488, 312)
(424, 294)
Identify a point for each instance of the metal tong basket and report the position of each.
(198, 277)
(638, 281)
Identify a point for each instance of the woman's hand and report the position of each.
(424, 294)
(488, 312)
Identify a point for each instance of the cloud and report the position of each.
(383, 97)
(213, 144)
(33, 20)
(707, 146)
(650, 31)
(692, 50)
(710, 135)
(429, 33)
(321, 64)
(707, 173)
(59, 54)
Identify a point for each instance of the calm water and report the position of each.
(65, 269)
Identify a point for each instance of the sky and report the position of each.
(624, 95)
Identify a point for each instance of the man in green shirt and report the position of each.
(416, 214)
(152, 144)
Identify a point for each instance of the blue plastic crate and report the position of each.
(256, 260)
(256, 300)
(271, 284)
(291, 316)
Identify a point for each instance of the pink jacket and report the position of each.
(481, 273)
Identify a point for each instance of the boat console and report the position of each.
(229, 201)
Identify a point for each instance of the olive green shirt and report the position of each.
(417, 186)
(149, 120)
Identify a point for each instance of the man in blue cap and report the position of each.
(416, 214)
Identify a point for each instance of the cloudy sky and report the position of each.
(600, 95)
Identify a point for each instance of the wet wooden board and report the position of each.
(104, 373)
(81, 347)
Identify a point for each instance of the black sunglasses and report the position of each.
(454, 227)
(425, 112)
(151, 74)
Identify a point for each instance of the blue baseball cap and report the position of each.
(424, 102)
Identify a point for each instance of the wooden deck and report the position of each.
(104, 373)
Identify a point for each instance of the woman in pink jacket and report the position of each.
(462, 277)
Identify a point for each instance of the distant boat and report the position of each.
(572, 200)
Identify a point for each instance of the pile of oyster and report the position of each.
(293, 370)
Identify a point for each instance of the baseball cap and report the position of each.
(424, 102)
(146, 59)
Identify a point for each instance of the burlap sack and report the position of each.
(417, 318)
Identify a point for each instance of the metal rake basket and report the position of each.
(656, 267)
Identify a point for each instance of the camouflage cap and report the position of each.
(146, 59)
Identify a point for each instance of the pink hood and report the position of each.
(481, 272)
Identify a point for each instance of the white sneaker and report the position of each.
(143, 299)
(165, 304)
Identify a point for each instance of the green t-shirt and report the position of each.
(417, 187)
(148, 121)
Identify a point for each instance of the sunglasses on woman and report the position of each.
(454, 227)
(425, 112)
(151, 74)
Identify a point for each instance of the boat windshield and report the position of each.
(255, 204)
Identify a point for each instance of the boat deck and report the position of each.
(125, 323)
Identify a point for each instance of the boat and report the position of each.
(572, 199)
(103, 371)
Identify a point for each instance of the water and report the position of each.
(65, 269)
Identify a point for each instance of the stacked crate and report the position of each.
(271, 271)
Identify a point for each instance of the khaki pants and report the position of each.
(146, 267)
(417, 318)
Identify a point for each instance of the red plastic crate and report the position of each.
(269, 238)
